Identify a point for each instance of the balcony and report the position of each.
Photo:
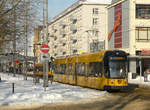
(63, 24)
(73, 19)
(55, 38)
(54, 28)
(62, 32)
(73, 28)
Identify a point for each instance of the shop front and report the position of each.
(140, 63)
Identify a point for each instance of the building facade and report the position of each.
(36, 42)
(81, 28)
(129, 30)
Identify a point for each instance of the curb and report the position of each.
(144, 86)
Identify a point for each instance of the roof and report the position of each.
(115, 1)
(98, 1)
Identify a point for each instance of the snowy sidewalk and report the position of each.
(26, 93)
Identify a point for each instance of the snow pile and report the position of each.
(138, 80)
(27, 93)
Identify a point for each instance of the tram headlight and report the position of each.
(112, 81)
(125, 81)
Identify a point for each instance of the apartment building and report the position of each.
(129, 30)
(37, 41)
(81, 28)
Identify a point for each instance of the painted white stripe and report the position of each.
(44, 48)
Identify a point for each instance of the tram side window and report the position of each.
(62, 68)
(36, 69)
(56, 69)
(70, 68)
(95, 69)
(40, 68)
(80, 69)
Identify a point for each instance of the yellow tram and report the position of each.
(104, 70)
(39, 69)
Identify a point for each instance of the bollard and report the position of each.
(13, 87)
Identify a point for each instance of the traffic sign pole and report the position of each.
(44, 49)
(45, 67)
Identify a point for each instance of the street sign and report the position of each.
(44, 48)
(45, 57)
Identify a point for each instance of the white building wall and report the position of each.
(129, 24)
(125, 24)
(83, 25)
(110, 27)
(135, 22)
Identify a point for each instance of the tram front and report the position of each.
(115, 66)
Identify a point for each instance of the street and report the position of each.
(135, 99)
(139, 99)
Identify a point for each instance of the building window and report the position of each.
(55, 46)
(55, 38)
(75, 51)
(95, 33)
(95, 10)
(64, 53)
(95, 21)
(64, 35)
(143, 11)
(55, 30)
(74, 41)
(142, 34)
(55, 54)
(64, 44)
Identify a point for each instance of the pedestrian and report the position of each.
(146, 73)
(51, 78)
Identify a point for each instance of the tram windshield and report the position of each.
(117, 68)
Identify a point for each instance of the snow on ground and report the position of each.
(28, 93)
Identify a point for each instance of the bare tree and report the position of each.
(7, 20)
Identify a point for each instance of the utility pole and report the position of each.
(45, 65)
(34, 63)
(27, 4)
(14, 42)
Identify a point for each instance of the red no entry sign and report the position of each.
(44, 48)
